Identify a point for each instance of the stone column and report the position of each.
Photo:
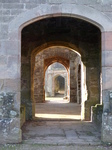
(83, 91)
(107, 86)
(10, 131)
(52, 85)
(65, 94)
(73, 84)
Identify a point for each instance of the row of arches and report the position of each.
(72, 29)
(71, 42)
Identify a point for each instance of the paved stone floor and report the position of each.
(58, 122)
(61, 132)
(52, 147)
(57, 109)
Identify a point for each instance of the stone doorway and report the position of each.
(56, 25)
(56, 81)
(48, 78)
(59, 86)
(43, 55)
(83, 72)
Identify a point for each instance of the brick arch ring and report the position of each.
(61, 60)
(46, 10)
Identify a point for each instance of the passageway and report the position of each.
(56, 81)
(76, 44)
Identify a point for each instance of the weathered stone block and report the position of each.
(16, 11)
(107, 58)
(55, 1)
(12, 60)
(106, 78)
(6, 19)
(15, 136)
(106, 41)
(13, 6)
(4, 31)
(70, 1)
(1, 85)
(30, 5)
(10, 47)
(87, 2)
(12, 85)
(55, 8)
(6, 12)
(97, 111)
(7, 103)
(3, 60)
(106, 134)
(11, 1)
(22, 115)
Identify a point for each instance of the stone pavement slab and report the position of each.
(61, 132)
(53, 147)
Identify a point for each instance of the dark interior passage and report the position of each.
(74, 33)
(59, 84)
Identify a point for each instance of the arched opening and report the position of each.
(62, 33)
(16, 59)
(84, 36)
(59, 87)
(56, 82)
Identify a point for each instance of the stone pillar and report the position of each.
(66, 86)
(51, 85)
(83, 91)
(73, 84)
(107, 86)
(39, 80)
(10, 131)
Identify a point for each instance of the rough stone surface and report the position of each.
(39, 72)
(53, 147)
(16, 14)
(61, 132)
(9, 119)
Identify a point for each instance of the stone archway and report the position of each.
(51, 74)
(56, 80)
(69, 62)
(59, 84)
(40, 12)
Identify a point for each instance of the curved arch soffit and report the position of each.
(42, 11)
(58, 60)
(59, 44)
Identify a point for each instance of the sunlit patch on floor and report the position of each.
(58, 116)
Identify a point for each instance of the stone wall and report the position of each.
(9, 119)
(16, 14)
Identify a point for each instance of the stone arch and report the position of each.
(78, 11)
(51, 59)
(45, 10)
(58, 59)
(65, 63)
(56, 74)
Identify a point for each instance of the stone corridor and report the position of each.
(34, 35)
